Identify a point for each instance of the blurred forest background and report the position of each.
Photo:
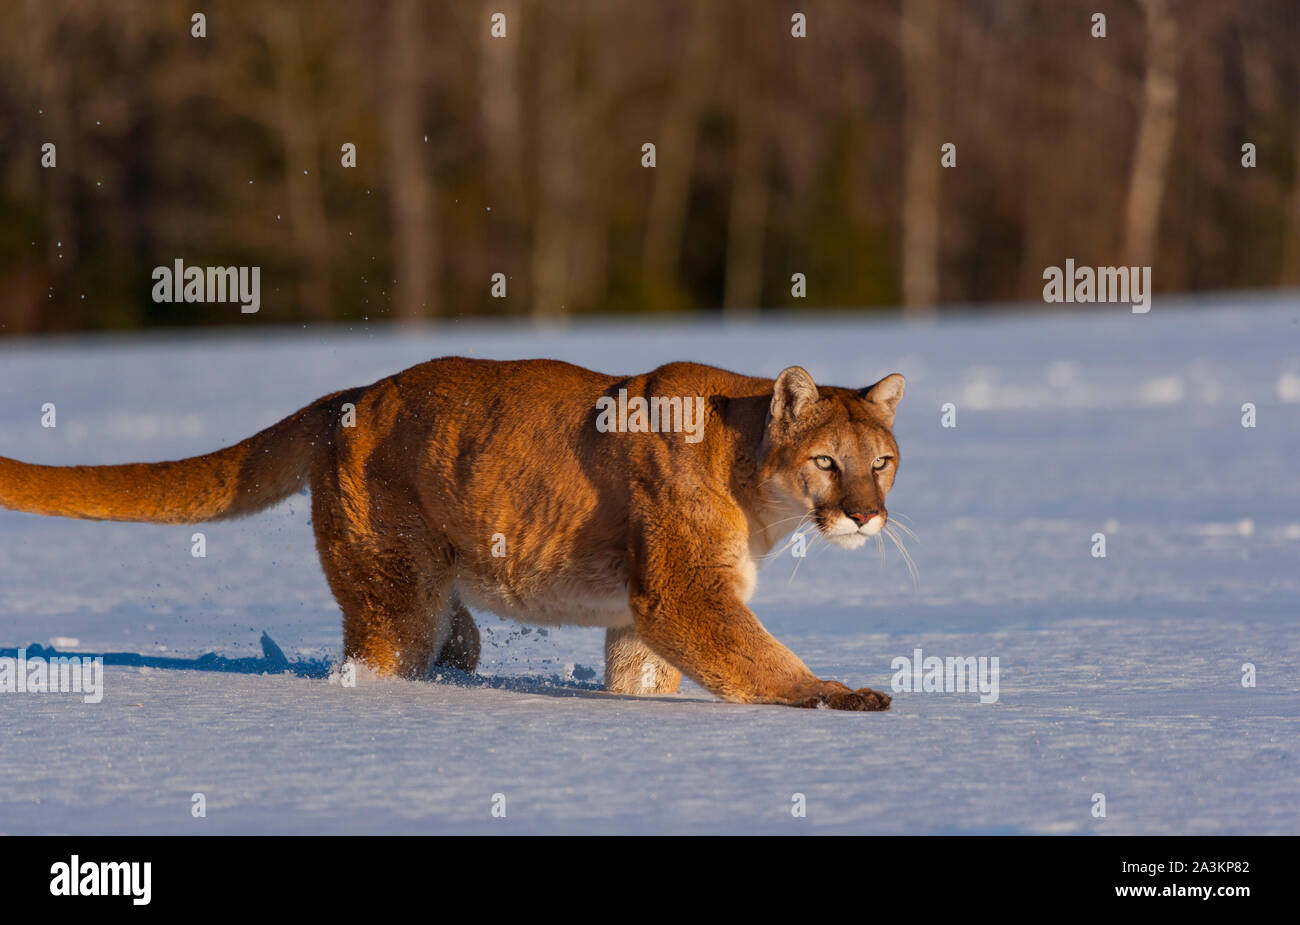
(522, 155)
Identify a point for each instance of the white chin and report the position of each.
(848, 540)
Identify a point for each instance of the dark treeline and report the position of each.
(522, 155)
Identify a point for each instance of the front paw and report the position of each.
(836, 696)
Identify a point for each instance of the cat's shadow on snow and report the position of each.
(274, 661)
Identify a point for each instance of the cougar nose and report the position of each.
(861, 517)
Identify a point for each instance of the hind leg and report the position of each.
(390, 578)
(395, 614)
(631, 668)
(461, 650)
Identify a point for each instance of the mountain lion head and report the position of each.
(830, 454)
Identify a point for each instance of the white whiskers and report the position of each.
(794, 538)
(807, 532)
(902, 550)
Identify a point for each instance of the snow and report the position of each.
(1119, 675)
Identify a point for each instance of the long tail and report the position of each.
(243, 479)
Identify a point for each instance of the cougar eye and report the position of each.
(880, 463)
(824, 462)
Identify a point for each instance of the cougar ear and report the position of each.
(793, 394)
(885, 393)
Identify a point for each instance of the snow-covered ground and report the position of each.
(1119, 675)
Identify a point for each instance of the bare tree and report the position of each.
(748, 218)
(300, 135)
(675, 152)
(1291, 247)
(499, 108)
(410, 189)
(479, 154)
(1155, 134)
(921, 168)
(557, 180)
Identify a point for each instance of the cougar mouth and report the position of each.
(843, 532)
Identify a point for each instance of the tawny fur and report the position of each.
(649, 535)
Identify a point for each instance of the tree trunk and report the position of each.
(675, 159)
(1155, 135)
(410, 191)
(921, 169)
(748, 220)
(556, 175)
(299, 133)
(499, 108)
(1291, 246)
